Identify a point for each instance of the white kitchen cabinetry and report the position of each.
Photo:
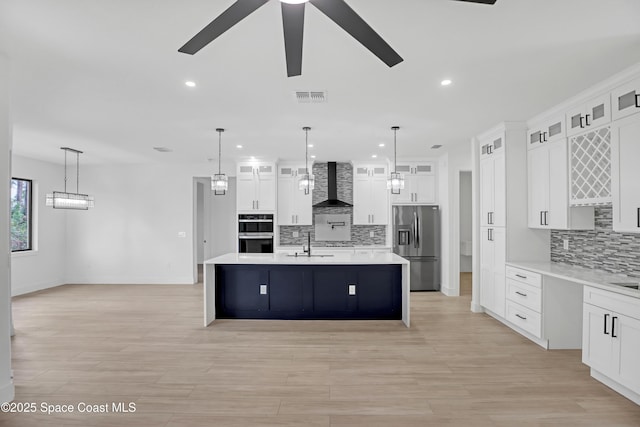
(591, 114)
(419, 184)
(625, 184)
(548, 190)
(294, 206)
(492, 182)
(370, 195)
(492, 269)
(546, 131)
(611, 339)
(256, 187)
(626, 99)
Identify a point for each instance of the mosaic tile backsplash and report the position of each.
(602, 248)
(360, 234)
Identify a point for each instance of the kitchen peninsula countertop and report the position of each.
(585, 276)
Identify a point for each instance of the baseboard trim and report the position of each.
(22, 290)
(476, 308)
(449, 291)
(7, 392)
(629, 394)
(132, 281)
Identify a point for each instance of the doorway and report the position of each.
(466, 232)
(214, 223)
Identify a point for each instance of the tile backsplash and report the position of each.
(360, 234)
(601, 248)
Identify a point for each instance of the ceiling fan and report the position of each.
(293, 22)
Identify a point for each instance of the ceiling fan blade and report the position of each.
(227, 19)
(340, 13)
(293, 25)
(480, 1)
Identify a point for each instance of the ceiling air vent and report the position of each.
(435, 147)
(311, 97)
(163, 149)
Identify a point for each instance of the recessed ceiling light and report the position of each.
(435, 147)
(374, 156)
(310, 145)
(238, 146)
(381, 145)
(446, 82)
(313, 157)
(253, 157)
(190, 83)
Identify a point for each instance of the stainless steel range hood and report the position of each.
(332, 190)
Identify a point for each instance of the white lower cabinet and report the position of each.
(611, 339)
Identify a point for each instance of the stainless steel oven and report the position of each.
(255, 233)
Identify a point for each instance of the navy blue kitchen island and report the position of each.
(277, 286)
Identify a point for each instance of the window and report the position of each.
(21, 230)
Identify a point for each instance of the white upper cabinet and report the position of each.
(370, 195)
(625, 183)
(492, 182)
(419, 184)
(548, 188)
(549, 130)
(294, 206)
(626, 99)
(256, 187)
(589, 115)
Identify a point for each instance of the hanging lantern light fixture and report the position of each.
(64, 200)
(219, 181)
(395, 182)
(307, 181)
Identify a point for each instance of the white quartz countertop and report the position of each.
(586, 276)
(337, 258)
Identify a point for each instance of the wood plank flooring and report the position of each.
(145, 344)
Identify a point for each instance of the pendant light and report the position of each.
(395, 182)
(219, 181)
(64, 200)
(307, 181)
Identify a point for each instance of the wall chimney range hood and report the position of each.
(332, 190)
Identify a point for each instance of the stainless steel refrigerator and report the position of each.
(416, 237)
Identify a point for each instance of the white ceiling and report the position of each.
(105, 76)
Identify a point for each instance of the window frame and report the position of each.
(31, 245)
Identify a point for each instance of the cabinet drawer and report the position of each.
(524, 318)
(525, 276)
(523, 294)
(612, 301)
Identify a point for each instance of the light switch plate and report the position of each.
(263, 289)
(372, 234)
(296, 234)
(352, 289)
(565, 244)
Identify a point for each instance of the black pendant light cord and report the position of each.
(219, 130)
(306, 130)
(65, 170)
(77, 173)
(395, 158)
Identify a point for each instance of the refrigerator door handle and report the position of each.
(415, 229)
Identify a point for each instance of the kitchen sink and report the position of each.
(627, 285)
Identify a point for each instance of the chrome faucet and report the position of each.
(308, 250)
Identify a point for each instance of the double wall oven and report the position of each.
(255, 233)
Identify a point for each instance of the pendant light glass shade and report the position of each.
(395, 182)
(219, 181)
(64, 200)
(307, 181)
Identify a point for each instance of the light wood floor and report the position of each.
(145, 344)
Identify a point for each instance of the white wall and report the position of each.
(224, 222)
(200, 237)
(466, 229)
(457, 159)
(7, 390)
(44, 267)
(131, 236)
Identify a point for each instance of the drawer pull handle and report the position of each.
(521, 317)
(521, 294)
(521, 276)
